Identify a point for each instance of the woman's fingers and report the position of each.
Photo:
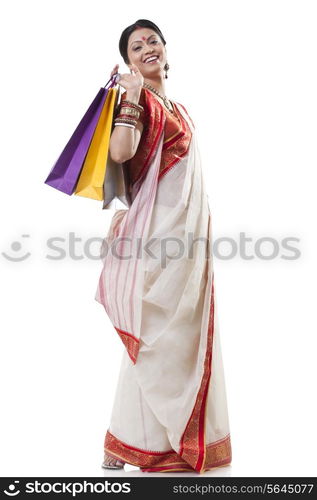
(115, 70)
(135, 69)
(137, 74)
(129, 81)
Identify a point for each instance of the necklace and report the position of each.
(164, 98)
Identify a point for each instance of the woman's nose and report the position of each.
(149, 50)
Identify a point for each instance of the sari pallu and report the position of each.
(170, 408)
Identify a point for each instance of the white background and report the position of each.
(246, 72)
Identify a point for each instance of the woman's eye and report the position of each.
(153, 41)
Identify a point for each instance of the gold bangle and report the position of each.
(129, 111)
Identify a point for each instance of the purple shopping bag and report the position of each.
(65, 173)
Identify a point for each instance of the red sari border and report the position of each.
(158, 129)
(217, 454)
(192, 443)
(131, 343)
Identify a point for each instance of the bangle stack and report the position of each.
(129, 114)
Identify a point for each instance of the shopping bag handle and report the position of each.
(112, 82)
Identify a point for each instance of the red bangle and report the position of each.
(125, 115)
(132, 104)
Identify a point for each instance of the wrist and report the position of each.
(133, 95)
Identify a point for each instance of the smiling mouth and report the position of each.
(152, 61)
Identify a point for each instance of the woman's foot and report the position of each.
(112, 463)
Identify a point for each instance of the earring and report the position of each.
(166, 67)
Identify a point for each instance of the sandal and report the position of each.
(112, 463)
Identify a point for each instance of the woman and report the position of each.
(170, 409)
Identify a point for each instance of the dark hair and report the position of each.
(141, 23)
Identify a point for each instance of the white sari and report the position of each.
(170, 409)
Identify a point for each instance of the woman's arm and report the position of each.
(124, 141)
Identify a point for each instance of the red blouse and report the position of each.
(177, 136)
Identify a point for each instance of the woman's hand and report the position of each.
(115, 70)
(133, 82)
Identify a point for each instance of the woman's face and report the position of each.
(142, 43)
